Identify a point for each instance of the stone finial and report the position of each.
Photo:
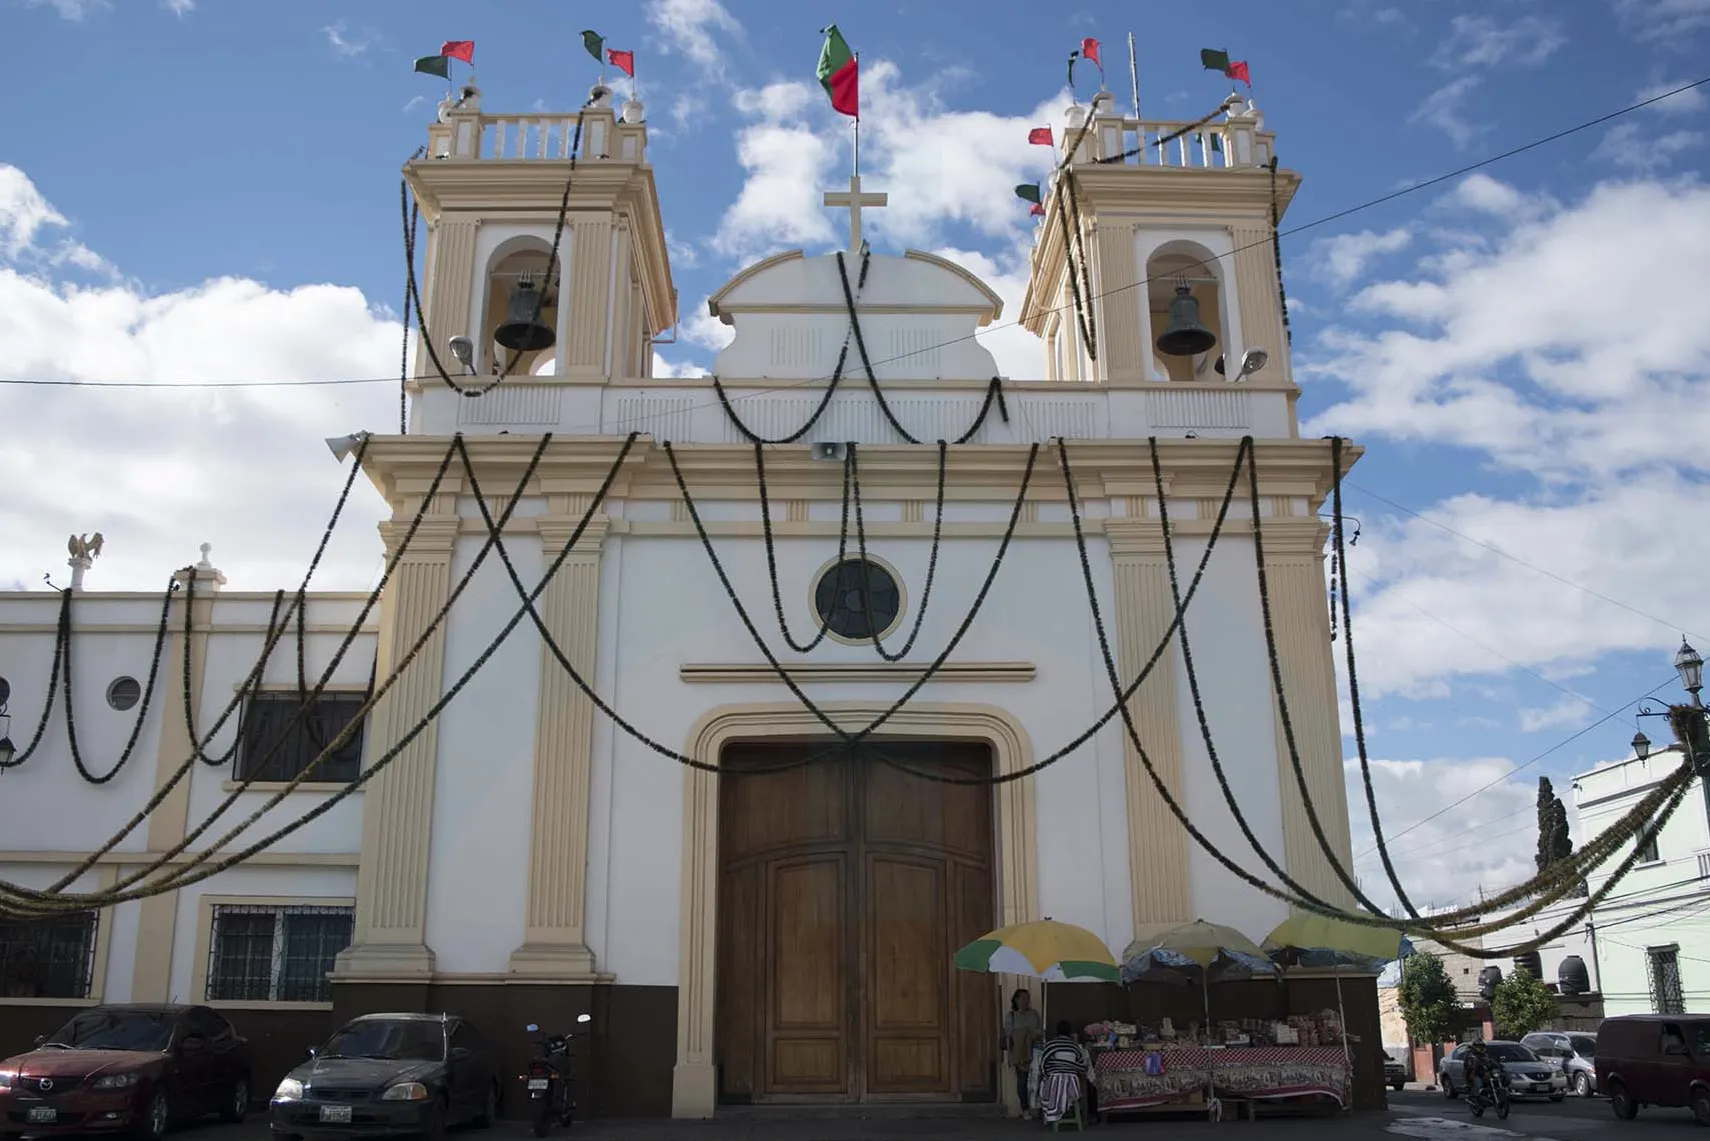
(1103, 103)
(1074, 116)
(633, 111)
(205, 548)
(599, 95)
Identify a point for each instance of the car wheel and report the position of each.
(157, 1118)
(489, 1108)
(1621, 1102)
(1447, 1084)
(237, 1102)
(1397, 1086)
(1582, 1084)
(1701, 1105)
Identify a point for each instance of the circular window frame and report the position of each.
(855, 556)
(114, 703)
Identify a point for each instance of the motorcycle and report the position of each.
(1491, 1092)
(548, 1080)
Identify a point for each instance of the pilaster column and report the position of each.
(1294, 571)
(1119, 303)
(390, 940)
(555, 944)
(446, 276)
(1261, 303)
(151, 972)
(1157, 845)
(588, 288)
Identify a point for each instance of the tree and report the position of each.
(1554, 841)
(1428, 1000)
(1522, 1004)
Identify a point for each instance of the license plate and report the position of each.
(335, 1113)
(537, 1083)
(42, 1115)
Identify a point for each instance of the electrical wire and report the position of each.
(1324, 220)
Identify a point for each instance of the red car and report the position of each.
(130, 1069)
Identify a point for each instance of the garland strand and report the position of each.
(772, 555)
(142, 707)
(931, 561)
(404, 350)
(61, 639)
(247, 688)
(1276, 252)
(197, 869)
(994, 388)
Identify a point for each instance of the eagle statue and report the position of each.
(85, 546)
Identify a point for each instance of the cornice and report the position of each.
(807, 673)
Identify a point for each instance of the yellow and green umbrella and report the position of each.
(1314, 940)
(1043, 949)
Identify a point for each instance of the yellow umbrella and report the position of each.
(1309, 931)
(1044, 949)
(1200, 941)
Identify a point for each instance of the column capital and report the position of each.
(555, 531)
(1293, 537)
(1131, 537)
(434, 539)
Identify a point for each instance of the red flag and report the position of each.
(459, 49)
(1041, 136)
(1089, 50)
(1238, 70)
(623, 61)
(1035, 210)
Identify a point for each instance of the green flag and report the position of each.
(596, 45)
(434, 65)
(1028, 192)
(1214, 60)
(839, 73)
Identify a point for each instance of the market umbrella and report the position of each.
(1314, 941)
(1043, 949)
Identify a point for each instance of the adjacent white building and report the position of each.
(522, 858)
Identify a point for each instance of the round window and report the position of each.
(858, 598)
(124, 693)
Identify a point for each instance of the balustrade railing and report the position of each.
(464, 132)
(1229, 145)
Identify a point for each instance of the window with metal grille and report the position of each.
(1647, 845)
(1666, 995)
(48, 958)
(260, 953)
(271, 719)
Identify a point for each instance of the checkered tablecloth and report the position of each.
(1238, 1071)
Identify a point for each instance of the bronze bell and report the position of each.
(523, 331)
(1185, 337)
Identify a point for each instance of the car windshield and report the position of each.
(146, 1030)
(1584, 1046)
(404, 1040)
(1511, 1052)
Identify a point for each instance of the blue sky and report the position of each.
(208, 189)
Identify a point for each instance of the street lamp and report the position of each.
(7, 749)
(1641, 745)
(1690, 723)
(1690, 666)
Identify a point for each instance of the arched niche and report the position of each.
(513, 259)
(1182, 262)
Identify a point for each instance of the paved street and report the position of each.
(1415, 1114)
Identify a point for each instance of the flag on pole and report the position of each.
(1238, 70)
(1029, 192)
(438, 65)
(623, 61)
(1041, 136)
(1089, 50)
(839, 73)
(595, 45)
(1214, 60)
(459, 49)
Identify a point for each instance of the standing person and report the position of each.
(1021, 1026)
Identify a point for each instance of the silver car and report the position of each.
(1527, 1074)
(1576, 1052)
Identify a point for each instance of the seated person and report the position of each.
(1064, 1072)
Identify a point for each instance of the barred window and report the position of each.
(1666, 995)
(1647, 844)
(260, 953)
(271, 720)
(48, 958)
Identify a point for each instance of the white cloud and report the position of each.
(1343, 258)
(1663, 20)
(673, 369)
(1570, 712)
(159, 471)
(1684, 102)
(23, 212)
(179, 7)
(1480, 41)
(688, 27)
(1443, 109)
(1635, 147)
(345, 44)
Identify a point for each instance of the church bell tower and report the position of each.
(1154, 261)
(490, 189)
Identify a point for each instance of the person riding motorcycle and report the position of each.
(1480, 1068)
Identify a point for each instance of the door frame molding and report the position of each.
(1015, 843)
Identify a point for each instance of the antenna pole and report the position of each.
(1134, 74)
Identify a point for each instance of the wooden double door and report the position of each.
(845, 888)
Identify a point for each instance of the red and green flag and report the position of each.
(595, 45)
(1213, 59)
(1029, 192)
(839, 73)
(440, 64)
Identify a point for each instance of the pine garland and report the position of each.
(83, 769)
(61, 638)
(931, 560)
(772, 555)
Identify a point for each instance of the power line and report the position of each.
(1495, 550)
(1326, 219)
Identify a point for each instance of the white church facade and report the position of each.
(522, 858)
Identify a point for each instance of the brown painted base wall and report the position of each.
(623, 1067)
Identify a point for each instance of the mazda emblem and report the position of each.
(45, 1084)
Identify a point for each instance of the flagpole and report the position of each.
(857, 132)
(1134, 75)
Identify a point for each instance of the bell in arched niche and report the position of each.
(1185, 336)
(522, 330)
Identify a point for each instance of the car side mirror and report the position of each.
(40, 1038)
(584, 1018)
(311, 1052)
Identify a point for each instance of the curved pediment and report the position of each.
(918, 315)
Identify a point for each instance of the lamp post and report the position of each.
(1690, 723)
